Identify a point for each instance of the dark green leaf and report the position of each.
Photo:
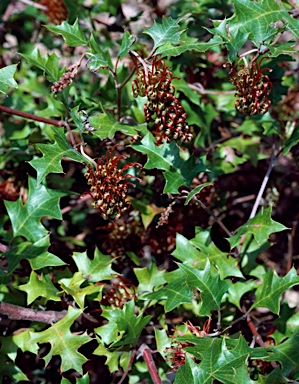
(52, 155)
(256, 18)
(25, 218)
(195, 191)
(49, 64)
(127, 325)
(72, 34)
(167, 32)
(209, 283)
(270, 291)
(260, 226)
(167, 158)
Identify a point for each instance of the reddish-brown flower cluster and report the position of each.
(252, 89)
(56, 10)
(65, 80)
(109, 185)
(118, 294)
(163, 111)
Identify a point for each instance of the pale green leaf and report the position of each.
(39, 287)
(63, 343)
(7, 80)
(97, 269)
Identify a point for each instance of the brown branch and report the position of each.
(128, 367)
(146, 353)
(26, 115)
(14, 312)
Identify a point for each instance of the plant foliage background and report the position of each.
(149, 191)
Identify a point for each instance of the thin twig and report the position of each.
(140, 59)
(291, 237)
(200, 88)
(273, 159)
(26, 115)
(146, 353)
(15, 312)
(86, 156)
(225, 229)
(128, 367)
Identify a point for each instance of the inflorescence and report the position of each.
(109, 185)
(163, 111)
(252, 89)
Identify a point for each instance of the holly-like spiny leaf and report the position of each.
(36, 254)
(166, 157)
(97, 269)
(50, 162)
(72, 34)
(128, 326)
(188, 252)
(223, 360)
(269, 292)
(63, 343)
(167, 32)
(260, 226)
(39, 287)
(209, 283)
(26, 218)
(127, 41)
(257, 18)
(49, 64)
(72, 286)
(106, 126)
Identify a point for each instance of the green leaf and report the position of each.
(167, 158)
(63, 342)
(106, 126)
(209, 283)
(260, 226)
(168, 49)
(167, 32)
(50, 162)
(72, 286)
(128, 325)
(237, 290)
(72, 34)
(287, 354)
(223, 360)
(270, 291)
(255, 18)
(25, 218)
(7, 80)
(37, 287)
(49, 64)
(97, 269)
(149, 278)
(195, 191)
(36, 254)
(188, 252)
(126, 43)
(173, 294)
(114, 358)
